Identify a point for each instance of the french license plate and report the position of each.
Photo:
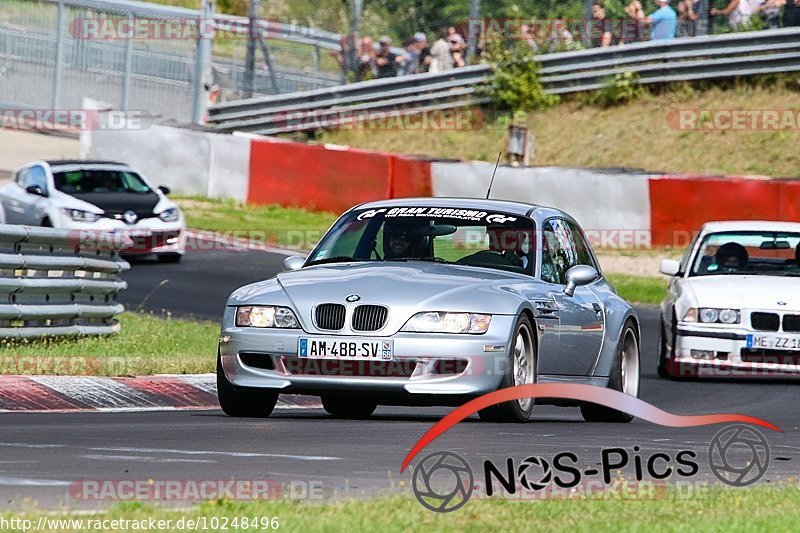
(353, 349)
(773, 342)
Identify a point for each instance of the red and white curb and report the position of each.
(147, 393)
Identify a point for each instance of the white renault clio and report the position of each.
(733, 305)
(99, 196)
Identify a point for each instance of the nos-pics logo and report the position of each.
(738, 455)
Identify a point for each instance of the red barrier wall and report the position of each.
(334, 179)
(679, 205)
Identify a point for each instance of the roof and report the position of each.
(750, 225)
(514, 208)
(81, 162)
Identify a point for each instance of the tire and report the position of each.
(169, 258)
(625, 377)
(348, 406)
(662, 352)
(241, 402)
(523, 351)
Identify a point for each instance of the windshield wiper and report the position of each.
(334, 259)
(425, 259)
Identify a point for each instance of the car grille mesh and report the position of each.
(369, 317)
(330, 316)
(765, 321)
(791, 323)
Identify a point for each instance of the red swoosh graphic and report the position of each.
(587, 393)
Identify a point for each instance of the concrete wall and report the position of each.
(187, 161)
(608, 205)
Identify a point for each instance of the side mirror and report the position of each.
(670, 267)
(579, 275)
(35, 189)
(293, 262)
(164, 189)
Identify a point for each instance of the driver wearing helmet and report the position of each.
(731, 257)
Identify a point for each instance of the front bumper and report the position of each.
(430, 365)
(149, 235)
(714, 352)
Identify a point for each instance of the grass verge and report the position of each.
(145, 345)
(639, 289)
(723, 510)
(288, 227)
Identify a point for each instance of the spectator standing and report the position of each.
(415, 50)
(602, 34)
(738, 13)
(424, 52)
(560, 38)
(366, 60)
(633, 31)
(791, 13)
(687, 18)
(664, 22)
(387, 62)
(770, 11)
(458, 47)
(441, 56)
(526, 35)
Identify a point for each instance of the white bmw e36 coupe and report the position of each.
(732, 309)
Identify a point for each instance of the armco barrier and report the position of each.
(59, 282)
(681, 204)
(330, 178)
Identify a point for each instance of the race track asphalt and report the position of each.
(41, 455)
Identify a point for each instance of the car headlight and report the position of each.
(266, 316)
(169, 215)
(79, 215)
(712, 315)
(440, 322)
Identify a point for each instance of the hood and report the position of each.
(113, 203)
(404, 288)
(747, 292)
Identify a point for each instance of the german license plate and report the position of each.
(352, 349)
(772, 342)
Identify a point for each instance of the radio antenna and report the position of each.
(493, 173)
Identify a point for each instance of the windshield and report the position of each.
(748, 252)
(99, 181)
(486, 239)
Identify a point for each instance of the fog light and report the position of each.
(702, 354)
(172, 240)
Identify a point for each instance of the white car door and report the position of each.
(12, 196)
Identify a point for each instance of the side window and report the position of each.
(559, 251)
(581, 246)
(22, 177)
(37, 176)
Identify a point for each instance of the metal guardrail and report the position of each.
(58, 282)
(686, 59)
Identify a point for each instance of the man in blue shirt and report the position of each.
(664, 21)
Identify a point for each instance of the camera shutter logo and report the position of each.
(738, 455)
(527, 473)
(442, 482)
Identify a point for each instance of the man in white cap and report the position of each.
(664, 21)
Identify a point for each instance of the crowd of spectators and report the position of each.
(416, 55)
(643, 20)
(691, 18)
